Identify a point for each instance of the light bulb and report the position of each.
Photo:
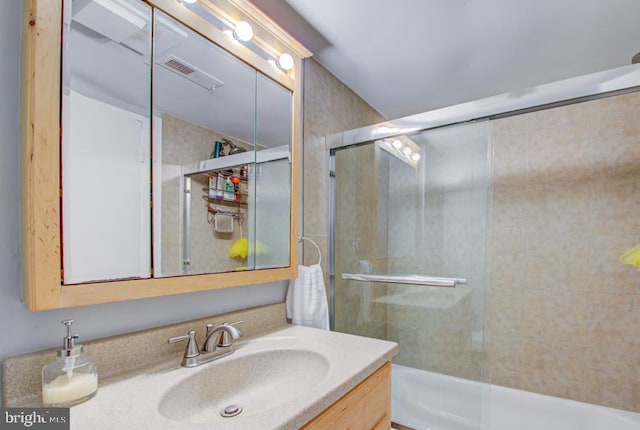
(397, 144)
(285, 61)
(243, 31)
(415, 156)
(406, 150)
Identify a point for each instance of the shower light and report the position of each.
(285, 61)
(397, 144)
(406, 151)
(243, 31)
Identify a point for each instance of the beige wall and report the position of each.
(330, 107)
(565, 314)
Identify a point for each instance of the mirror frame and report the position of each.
(41, 192)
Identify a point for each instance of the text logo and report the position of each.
(35, 418)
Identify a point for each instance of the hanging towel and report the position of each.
(307, 298)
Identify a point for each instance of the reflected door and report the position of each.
(105, 144)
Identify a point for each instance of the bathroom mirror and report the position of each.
(160, 110)
(199, 226)
(106, 141)
(214, 103)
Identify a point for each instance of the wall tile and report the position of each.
(558, 154)
(606, 273)
(614, 204)
(554, 369)
(608, 381)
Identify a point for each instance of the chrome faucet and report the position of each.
(218, 343)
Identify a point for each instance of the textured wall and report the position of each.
(565, 313)
(330, 107)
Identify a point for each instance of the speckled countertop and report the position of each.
(340, 362)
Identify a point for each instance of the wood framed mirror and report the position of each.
(126, 158)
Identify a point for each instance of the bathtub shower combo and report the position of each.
(483, 238)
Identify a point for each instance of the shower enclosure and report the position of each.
(485, 239)
(414, 209)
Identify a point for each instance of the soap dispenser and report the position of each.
(72, 378)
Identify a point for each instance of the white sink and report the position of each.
(281, 379)
(257, 382)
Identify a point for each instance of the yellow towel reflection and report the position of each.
(240, 249)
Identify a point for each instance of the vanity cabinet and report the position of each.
(164, 80)
(366, 407)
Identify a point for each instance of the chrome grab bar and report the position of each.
(405, 279)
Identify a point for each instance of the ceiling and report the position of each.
(109, 60)
(410, 56)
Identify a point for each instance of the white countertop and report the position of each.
(134, 403)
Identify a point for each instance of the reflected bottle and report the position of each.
(72, 378)
(217, 150)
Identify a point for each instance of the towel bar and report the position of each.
(405, 279)
(301, 238)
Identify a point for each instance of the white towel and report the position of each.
(307, 298)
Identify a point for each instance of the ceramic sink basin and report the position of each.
(257, 382)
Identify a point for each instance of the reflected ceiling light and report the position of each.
(285, 61)
(187, 1)
(402, 148)
(243, 31)
(385, 129)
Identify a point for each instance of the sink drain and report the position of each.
(231, 411)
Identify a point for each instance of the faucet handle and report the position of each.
(192, 346)
(210, 329)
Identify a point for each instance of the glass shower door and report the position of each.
(417, 205)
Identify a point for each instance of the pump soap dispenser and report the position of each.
(72, 378)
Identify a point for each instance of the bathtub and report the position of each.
(430, 401)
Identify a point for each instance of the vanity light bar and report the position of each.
(242, 31)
